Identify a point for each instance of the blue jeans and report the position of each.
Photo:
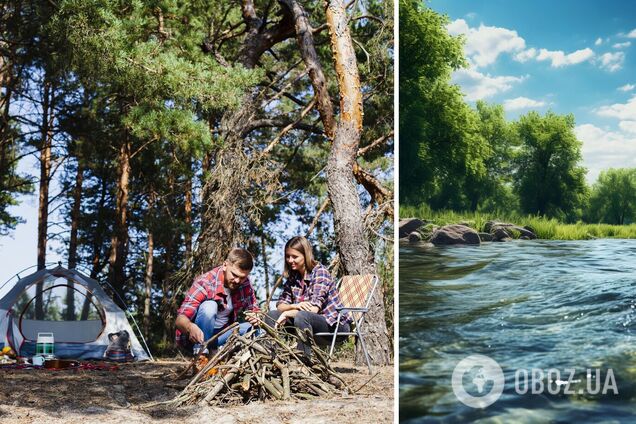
(206, 318)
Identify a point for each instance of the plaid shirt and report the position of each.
(209, 286)
(319, 290)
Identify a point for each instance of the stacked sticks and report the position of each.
(261, 365)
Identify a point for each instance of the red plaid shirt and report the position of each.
(319, 290)
(209, 286)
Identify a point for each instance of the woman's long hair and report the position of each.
(301, 244)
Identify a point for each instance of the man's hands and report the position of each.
(195, 334)
(251, 318)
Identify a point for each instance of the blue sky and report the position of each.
(566, 56)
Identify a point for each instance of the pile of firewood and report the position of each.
(260, 365)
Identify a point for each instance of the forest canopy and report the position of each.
(166, 132)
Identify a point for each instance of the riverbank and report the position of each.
(547, 229)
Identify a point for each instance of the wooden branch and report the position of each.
(320, 28)
(364, 150)
(280, 123)
(249, 14)
(160, 23)
(305, 38)
(283, 90)
(285, 130)
(366, 16)
(278, 282)
(314, 222)
(260, 37)
(379, 194)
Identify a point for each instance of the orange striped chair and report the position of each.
(356, 292)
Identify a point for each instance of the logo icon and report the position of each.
(478, 381)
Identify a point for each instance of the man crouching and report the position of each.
(215, 300)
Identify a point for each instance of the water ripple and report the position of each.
(531, 304)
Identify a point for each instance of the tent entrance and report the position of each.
(61, 306)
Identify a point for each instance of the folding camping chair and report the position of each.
(356, 292)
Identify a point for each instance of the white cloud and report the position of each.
(622, 111)
(558, 58)
(458, 26)
(598, 41)
(612, 61)
(622, 45)
(486, 43)
(628, 126)
(632, 34)
(603, 149)
(627, 87)
(526, 55)
(522, 103)
(471, 15)
(480, 86)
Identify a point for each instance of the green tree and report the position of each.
(440, 144)
(613, 198)
(549, 179)
(493, 190)
(17, 28)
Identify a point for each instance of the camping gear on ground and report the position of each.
(45, 345)
(119, 347)
(7, 356)
(356, 292)
(60, 364)
(37, 360)
(68, 304)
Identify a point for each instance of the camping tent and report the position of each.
(70, 305)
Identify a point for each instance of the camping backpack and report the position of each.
(119, 349)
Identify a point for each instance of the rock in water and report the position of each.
(501, 234)
(455, 234)
(415, 237)
(485, 237)
(503, 230)
(407, 226)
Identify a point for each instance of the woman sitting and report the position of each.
(310, 299)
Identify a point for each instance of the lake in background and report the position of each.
(525, 304)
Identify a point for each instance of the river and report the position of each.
(531, 306)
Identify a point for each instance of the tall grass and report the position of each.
(544, 228)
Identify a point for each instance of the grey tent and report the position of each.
(73, 307)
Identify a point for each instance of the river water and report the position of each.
(528, 305)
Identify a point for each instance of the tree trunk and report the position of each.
(119, 241)
(351, 238)
(72, 247)
(6, 141)
(46, 135)
(305, 38)
(265, 267)
(98, 239)
(149, 263)
(187, 216)
(169, 288)
(97, 249)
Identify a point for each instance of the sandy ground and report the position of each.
(116, 396)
